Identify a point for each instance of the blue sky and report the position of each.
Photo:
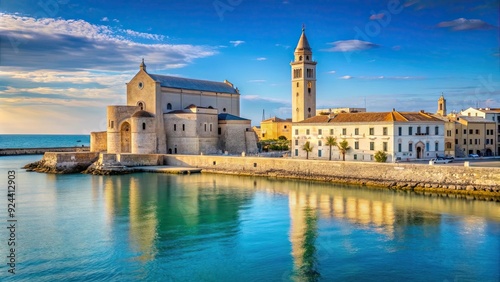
(62, 62)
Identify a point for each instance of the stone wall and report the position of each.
(385, 174)
(57, 162)
(98, 141)
(139, 159)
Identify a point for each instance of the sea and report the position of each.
(212, 227)
(15, 141)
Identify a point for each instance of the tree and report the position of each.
(308, 148)
(380, 156)
(331, 141)
(343, 148)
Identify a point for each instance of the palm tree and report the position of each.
(331, 141)
(343, 148)
(308, 148)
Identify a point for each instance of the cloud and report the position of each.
(282, 46)
(261, 59)
(332, 72)
(265, 99)
(257, 80)
(465, 24)
(346, 77)
(351, 45)
(236, 43)
(156, 37)
(377, 16)
(116, 21)
(60, 44)
(105, 19)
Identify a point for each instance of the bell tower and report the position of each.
(303, 81)
(441, 106)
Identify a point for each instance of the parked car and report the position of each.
(439, 161)
(473, 155)
(450, 158)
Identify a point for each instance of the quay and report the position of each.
(40, 151)
(168, 169)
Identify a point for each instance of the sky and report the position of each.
(63, 61)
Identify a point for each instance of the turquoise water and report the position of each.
(202, 227)
(42, 141)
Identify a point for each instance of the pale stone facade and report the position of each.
(475, 135)
(402, 135)
(174, 115)
(488, 114)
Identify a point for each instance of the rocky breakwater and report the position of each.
(57, 162)
(109, 164)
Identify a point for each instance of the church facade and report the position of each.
(174, 115)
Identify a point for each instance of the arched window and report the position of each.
(307, 58)
(224, 110)
(141, 105)
(309, 109)
(300, 58)
(169, 106)
(143, 126)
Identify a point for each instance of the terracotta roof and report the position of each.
(393, 116)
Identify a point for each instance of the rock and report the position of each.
(470, 188)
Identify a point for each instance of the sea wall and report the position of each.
(397, 175)
(57, 162)
(40, 151)
(98, 141)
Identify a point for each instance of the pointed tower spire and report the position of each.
(143, 65)
(303, 44)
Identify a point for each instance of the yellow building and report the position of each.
(275, 127)
(474, 135)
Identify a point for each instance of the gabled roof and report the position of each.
(193, 84)
(393, 116)
(226, 116)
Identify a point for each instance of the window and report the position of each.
(410, 130)
(471, 131)
(296, 132)
(372, 146)
(296, 152)
(475, 141)
(410, 147)
(465, 141)
(310, 73)
(224, 110)
(175, 127)
(220, 131)
(169, 106)
(331, 131)
(183, 127)
(372, 130)
(344, 131)
(356, 131)
(384, 131)
(210, 127)
(400, 131)
(384, 146)
(205, 125)
(296, 142)
(465, 131)
(487, 141)
(456, 131)
(112, 124)
(477, 131)
(143, 126)
(418, 130)
(297, 73)
(319, 153)
(428, 131)
(356, 145)
(320, 143)
(470, 141)
(456, 141)
(436, 130)
(308, 132)
(320, 132)
(400, 147)
(297, 84)
(141, 105)
(448, 145)
(448, 133)
(285, 127)
(436, 147)
(427, 146)
(309, 110)
(355, 156)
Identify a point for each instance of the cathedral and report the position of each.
(174, 115)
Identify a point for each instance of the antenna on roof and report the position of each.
(263, 114)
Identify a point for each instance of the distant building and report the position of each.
(402, 135)
(166, 114)
(475, 135)
(340, 110)
(490, 115)
(275, 127)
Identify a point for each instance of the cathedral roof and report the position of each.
(142, 114)
(193, 84)
(303, 44)
(226, 116)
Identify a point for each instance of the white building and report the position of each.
(403, 135)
